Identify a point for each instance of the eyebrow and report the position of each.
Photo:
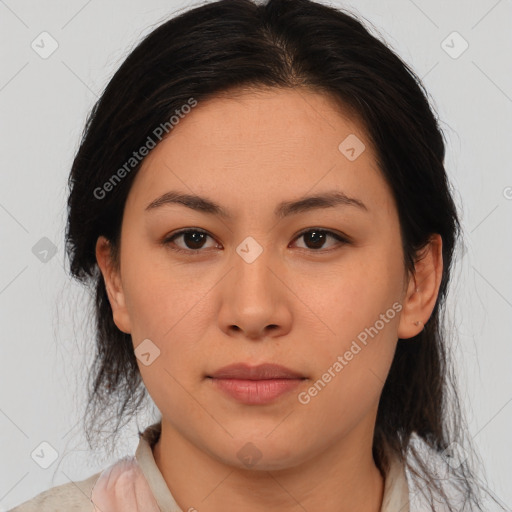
(282, 210)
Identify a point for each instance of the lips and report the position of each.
(256, 385)
(261, 372)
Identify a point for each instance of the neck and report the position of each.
(342, 479)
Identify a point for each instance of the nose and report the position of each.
(255, 300)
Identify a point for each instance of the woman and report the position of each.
(260, 204)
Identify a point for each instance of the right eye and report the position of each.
(196, 242)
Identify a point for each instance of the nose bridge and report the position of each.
(253, 297)
(252, 261)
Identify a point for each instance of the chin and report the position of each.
(258, 453)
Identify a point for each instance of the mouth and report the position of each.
(256, 385)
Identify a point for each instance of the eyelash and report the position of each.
(196, 252)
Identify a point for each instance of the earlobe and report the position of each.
(113, 285)
(423, 289)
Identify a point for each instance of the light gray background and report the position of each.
(44, 102)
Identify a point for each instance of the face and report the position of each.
(317, 289)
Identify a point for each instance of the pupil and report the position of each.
(319, 238)
(193, 235)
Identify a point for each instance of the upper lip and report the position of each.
(260, 372)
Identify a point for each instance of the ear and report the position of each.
(113, 285)
(422, 289)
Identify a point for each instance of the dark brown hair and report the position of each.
(232, 45)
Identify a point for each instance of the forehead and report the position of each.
(264, 143)
(273, 119)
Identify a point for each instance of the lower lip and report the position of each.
(256, 392)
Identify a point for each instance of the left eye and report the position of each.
(194, 239)
(318, 236)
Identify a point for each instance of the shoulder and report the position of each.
(72, 497)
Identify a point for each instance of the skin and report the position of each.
(295, 305)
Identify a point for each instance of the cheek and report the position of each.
(167, 306)
(160, 296)
(357, 315)
(349, 377)
(342, 300)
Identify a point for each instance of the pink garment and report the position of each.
(122, 487)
